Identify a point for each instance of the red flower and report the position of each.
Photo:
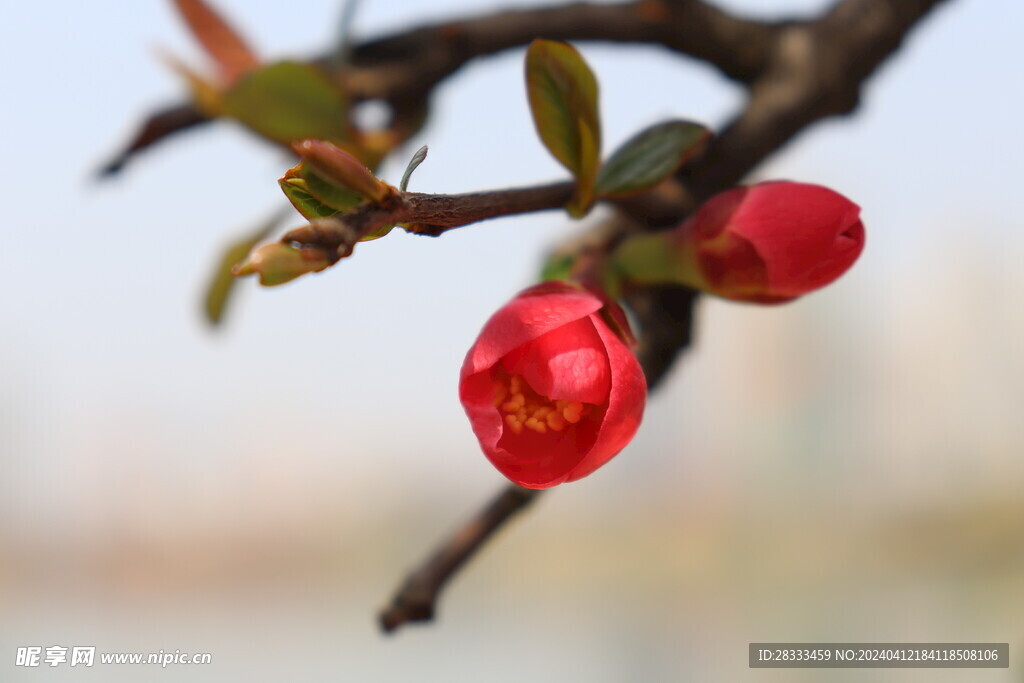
(772, 242)
(551, 388)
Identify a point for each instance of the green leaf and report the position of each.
(278, 263)
(414, 163)
(563, 100)
(340, 168)
(339, 198)
(649, 157)
(314, 197)
(218, 291)
(586, 179)
(304, 202)
(288, 101)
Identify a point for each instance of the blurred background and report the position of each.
(843, 468)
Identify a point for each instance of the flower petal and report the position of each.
(540, 461)
(528, 459)
(567, 363)
(731, 265)
(477, 395)
(801, 231)
(563, 354)
(625, 405)
(532, 313)
(773, 241)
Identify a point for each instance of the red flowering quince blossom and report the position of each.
(551, 386)
(772, 242)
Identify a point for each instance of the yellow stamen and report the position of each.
(514, 424)
(536, 425)
(513, 404)
(573, 412)
(523, 407)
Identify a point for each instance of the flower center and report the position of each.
(523, 407)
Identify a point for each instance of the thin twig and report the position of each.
(417, 598)
(425, 214)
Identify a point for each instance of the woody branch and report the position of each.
(424, 214)
(405, 68)
(797, 73)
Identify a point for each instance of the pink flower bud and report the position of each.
(551, 387)
(772, 242)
